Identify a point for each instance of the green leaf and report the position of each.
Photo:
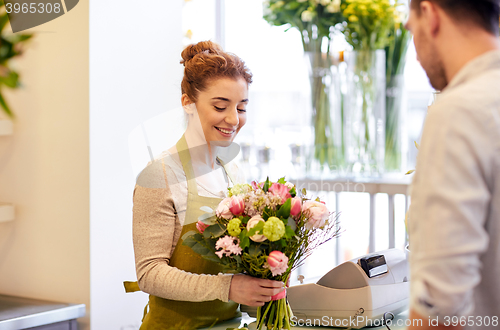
(282, 242)
(206, 209)
(208, 219)
(201, 249)
(5, 107)
(267, 213)
(257, 229)
(266, 185)
(244, 242)
(3, 20)
(317, 199)
(289, 231)
(212, 257)
(284, 211)
(255, 250)
(293, 192)
(304, 192)
(189, 233)
(214, 231)
(409, 172)
(282, 180)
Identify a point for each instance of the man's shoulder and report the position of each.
(478, 96)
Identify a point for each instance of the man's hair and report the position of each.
(483, 13)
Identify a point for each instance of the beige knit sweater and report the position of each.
(160, 200)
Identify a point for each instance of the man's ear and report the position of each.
(432, 16)
(186, 101)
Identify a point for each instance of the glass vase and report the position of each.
(325, 154)
(364, 113)
(395, 135)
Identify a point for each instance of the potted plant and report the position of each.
(11, 46)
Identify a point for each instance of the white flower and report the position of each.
(306, 16)
(289, 185)
(252, 223)
(334, 7)
(325, 2)
(223, 211)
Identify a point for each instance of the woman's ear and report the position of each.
(186, 101)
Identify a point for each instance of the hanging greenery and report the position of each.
(11, 46)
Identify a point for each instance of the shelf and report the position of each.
(6, 127)
(6, 212)
(23, 313)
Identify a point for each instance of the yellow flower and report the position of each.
(353, 18)
(189, 34)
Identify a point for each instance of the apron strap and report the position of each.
(183, 151)
(131, 286)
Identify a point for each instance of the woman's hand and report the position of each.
(251, 291)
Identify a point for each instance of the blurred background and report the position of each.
(90, 76)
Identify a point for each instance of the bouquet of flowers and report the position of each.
(264, 230)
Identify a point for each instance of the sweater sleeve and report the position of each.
(156, 231)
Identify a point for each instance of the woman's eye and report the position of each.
(219, 109)
(242, 110)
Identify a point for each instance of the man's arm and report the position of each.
(450, 201)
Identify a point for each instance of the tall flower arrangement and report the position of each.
(367, 29)
(315, 19)
(395, 64)
(264, 230)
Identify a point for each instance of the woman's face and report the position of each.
(222, 108)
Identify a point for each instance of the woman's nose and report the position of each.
(232, 117)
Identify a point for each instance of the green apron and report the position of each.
(174, 314)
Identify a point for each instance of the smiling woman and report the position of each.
(187, 291)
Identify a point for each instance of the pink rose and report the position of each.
(278, 189)
(251, 223)
(277, 262)
(237, 205)
(223, 209)
(296, 206)
(201, 226)
(316, 212)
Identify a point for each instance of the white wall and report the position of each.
(44, 168)
(134, 74)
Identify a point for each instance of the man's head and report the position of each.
(435, 22)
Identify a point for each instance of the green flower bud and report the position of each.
(274, 229)
(233, 227)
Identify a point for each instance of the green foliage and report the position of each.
(267, 184)
(303, 15)
(257, 229)
(370, 23)
(284, 210)
(11, 46)
(214, 231)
